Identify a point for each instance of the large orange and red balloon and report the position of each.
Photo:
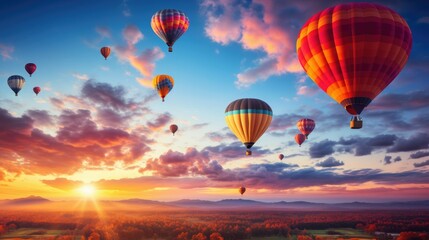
(353, 51)
(306, 126)
(30, 68)
(105, 51)
(169, 25)
(248, 118)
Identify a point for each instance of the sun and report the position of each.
(87, 190)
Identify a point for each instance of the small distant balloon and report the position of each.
(16, 83)
(30, 68)
(173, 128)
(105, 51)
(306, 126)
(281, 156)
(299, 138)
(241, 190)
(36, 90)
(163, 84)
(169, 25)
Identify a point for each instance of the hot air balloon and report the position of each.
(306, 126)
(36, 90)
(173, 128)
(163, 84)
(248, 118)
(105, 51)
(169, 25)
(299, 138)
(353, 51)
(281, 156)
(16, 83)
(30, 68)
(241, 190)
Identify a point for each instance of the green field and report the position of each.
(32, 233)
(333, 233)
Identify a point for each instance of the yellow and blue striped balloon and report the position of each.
(16, 83)
(163, 84)
(248, 119)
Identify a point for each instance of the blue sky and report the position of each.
(98, 122)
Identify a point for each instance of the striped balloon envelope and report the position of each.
(163, 84)
(306, 126)
(16, 83)
(169, 25)
(353, 51)
(248, 119)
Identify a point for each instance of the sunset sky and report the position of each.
(99, 122)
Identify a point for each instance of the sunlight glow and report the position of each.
(88, 190)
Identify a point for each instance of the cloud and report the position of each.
(419, 154)
(422, 164)
(234, 150)
(330, 162)
(397, 159)
(104, 32)
(125, 8)
(106, 95)
(174, 164)
(401, 101)
(423, 20)
(6, 51)
(259, 26)
(387, 160)
(308, 90)
(82, 77)
(63, 184)
(160, 122)
(322, 149)
(145, 62)
(417, 142)
(132, 35)
(41, 117)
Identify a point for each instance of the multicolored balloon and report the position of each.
(105, 51)
(30, 68)
(163, 84)
(173, 128)
(281, 156)
(16, 83)
(353, 51)
(169, 25)
(306, 126)
(37, 90)
(299, 138)
(242, 190)
(248, 118)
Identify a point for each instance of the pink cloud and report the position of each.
(308, 91)
(267, 26)
(160, 122)
(6, 51)
(145, 62)
(104, 32)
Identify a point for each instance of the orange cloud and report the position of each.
(145, 62)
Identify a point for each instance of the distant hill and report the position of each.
(226, 204)
(26, 201)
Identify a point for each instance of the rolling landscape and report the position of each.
(214, 120)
